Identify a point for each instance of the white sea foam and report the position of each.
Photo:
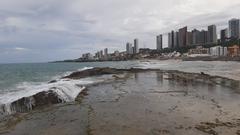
(66, 89)
(85, 68)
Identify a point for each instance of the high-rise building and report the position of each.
(202, 37)
(132, 50)
(189, 38)
(182, 37)
(207, 37)
(175, 39)
(224, 35)
(101, 54)
(159, 42)
(136, 44)
(195, 35)
(105, 52)
(234, 28)
(212, 29)
(171, 39)
(129, 48)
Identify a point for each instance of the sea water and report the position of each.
(23, 80)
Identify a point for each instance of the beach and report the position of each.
(133, 101)
(140, 102)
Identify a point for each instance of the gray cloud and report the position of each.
(37, 31)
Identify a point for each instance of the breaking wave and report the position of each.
(24, 96)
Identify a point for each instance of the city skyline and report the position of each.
(43, 31)
(183, 37)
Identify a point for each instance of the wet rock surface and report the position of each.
(102, 71)
(142, 102)
(27, 104)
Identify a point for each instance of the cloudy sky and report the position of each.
(47, 30)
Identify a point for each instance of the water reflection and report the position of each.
(159, 77)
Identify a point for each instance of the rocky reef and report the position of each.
(26, 104)
(101, 71)
(135, 101)
(172, 74)
(51, 97)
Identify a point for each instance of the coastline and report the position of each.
(197, 58)
(211, 58)
(126, 86)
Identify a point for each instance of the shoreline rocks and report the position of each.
(27, 104)
(50, 97)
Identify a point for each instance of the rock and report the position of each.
(53, 81)
(81, 95)
(38, 100)
(93, 72)
(103, 71)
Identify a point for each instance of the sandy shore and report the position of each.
(140, 103)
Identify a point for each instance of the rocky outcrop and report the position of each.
(93, 72)
(51, 97)
(26, 104)
(102, 71)
(172, 75)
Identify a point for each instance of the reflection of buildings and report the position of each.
(159, 77)
(136, 76)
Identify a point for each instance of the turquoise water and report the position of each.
(16, 74)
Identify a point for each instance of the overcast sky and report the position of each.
(47, 30)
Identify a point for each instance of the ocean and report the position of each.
(23, 80)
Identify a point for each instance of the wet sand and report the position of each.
(144, 103)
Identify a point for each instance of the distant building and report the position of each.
(129, 48)
(87, 56)
(224, 35)
(234, 51)
(195, 36)
(189, 38)
(207, 33)
(176, 44)
(171, 39)
(145, 50)
(212, 29)
(182, 37)
(159, 42)
(105, 52)
(218, 51)
(132, 50)
(234, 28)
(101, 54)
(136, 45)
(199, 51)
(203, 37)
(116, 53)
